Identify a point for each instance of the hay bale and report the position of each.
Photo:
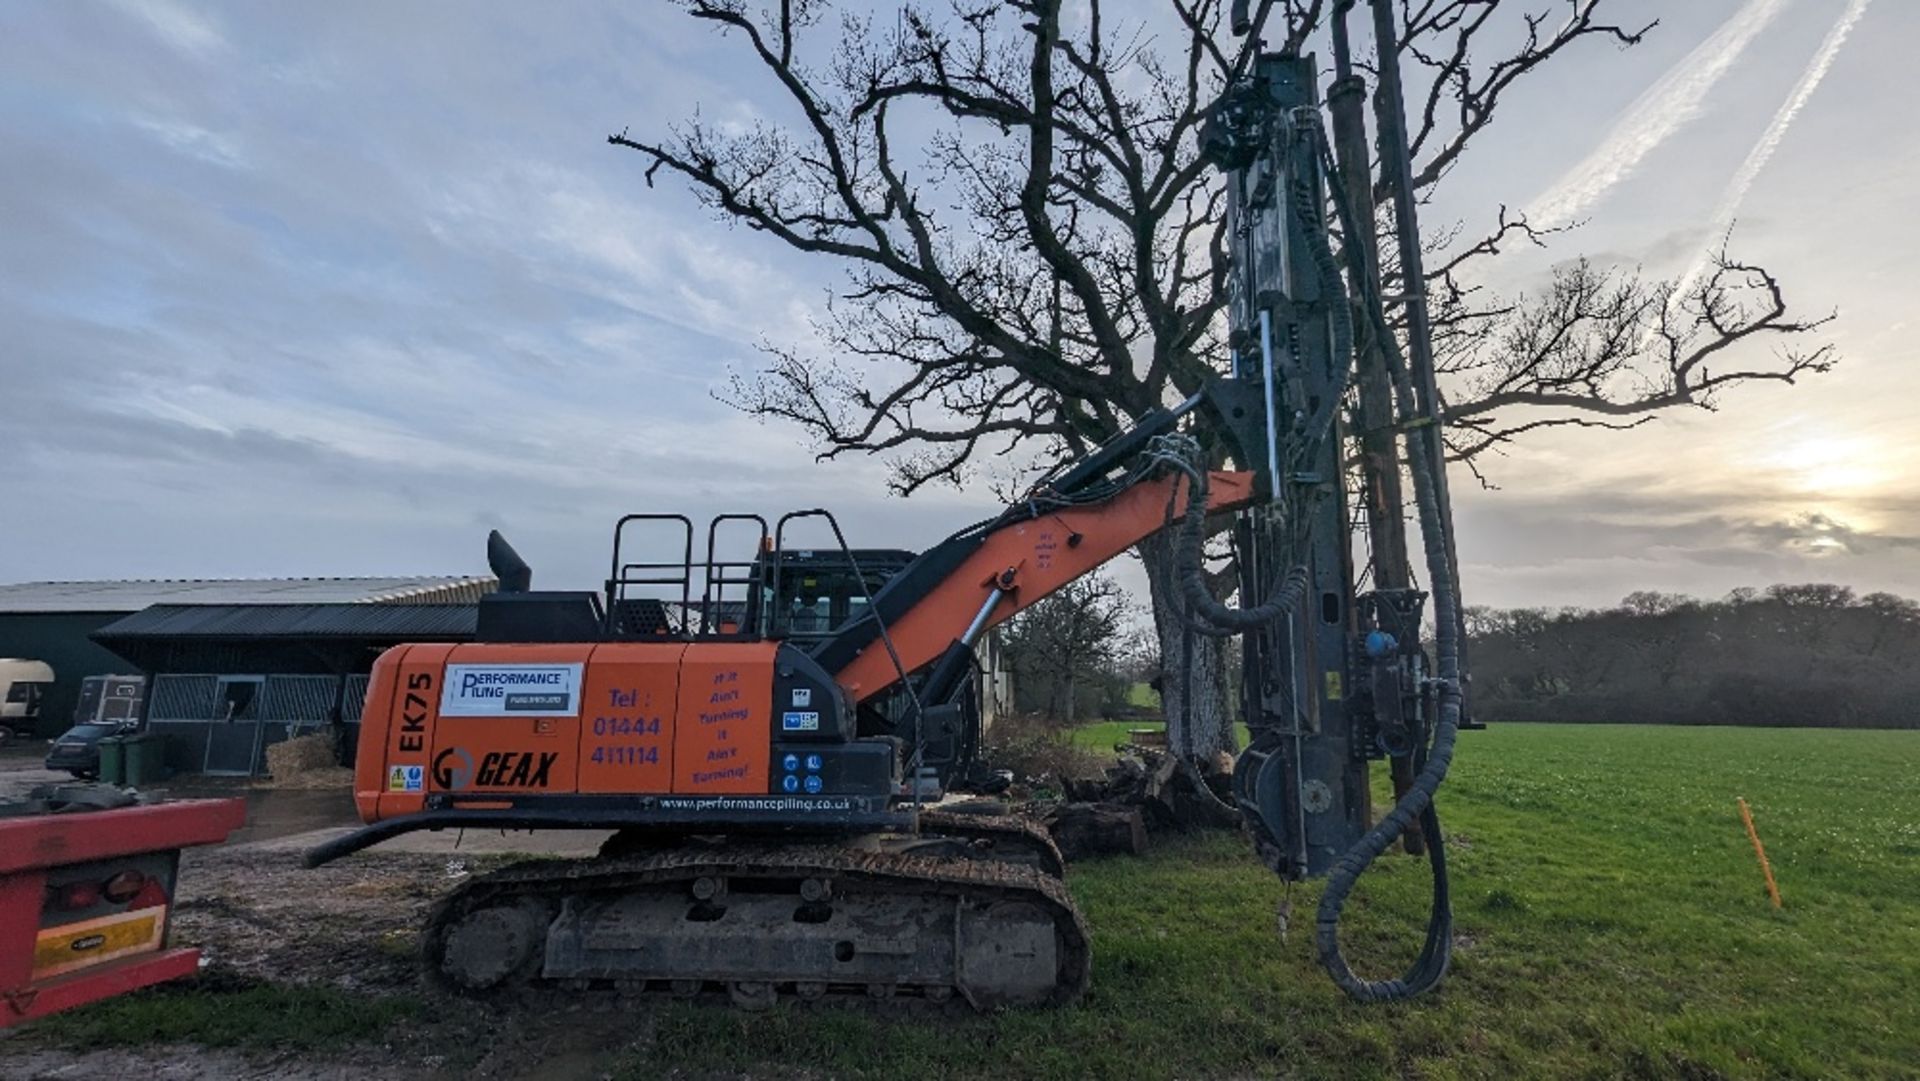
(302, 754)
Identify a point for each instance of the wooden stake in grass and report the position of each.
(1760, 850)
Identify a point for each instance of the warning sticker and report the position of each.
(406, 779)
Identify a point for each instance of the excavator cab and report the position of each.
(822, 590)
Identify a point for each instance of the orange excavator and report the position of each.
(774, 789)
(680, 718)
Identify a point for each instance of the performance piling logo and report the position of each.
(511, 690)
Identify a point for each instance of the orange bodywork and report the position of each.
(1042, 555)
(480, 722)
(725, 722)
(633, 692)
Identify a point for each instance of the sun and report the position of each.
(1831, 464)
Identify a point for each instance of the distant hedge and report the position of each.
(1790, 655)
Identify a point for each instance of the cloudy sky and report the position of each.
(303, 289)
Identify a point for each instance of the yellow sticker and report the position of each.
(72, 946)
(1333, 685)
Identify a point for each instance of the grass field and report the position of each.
(1611, 922)
(1106, 735)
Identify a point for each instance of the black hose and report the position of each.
(1225, 620)
(1213, 620)
(1306, 208)
(1417, 803)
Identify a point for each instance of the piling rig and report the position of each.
(774, 794)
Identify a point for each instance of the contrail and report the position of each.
(1736, 190)
(1654, 117)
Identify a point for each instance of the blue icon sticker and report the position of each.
(813, 783)
(792, 762)
(813, 763)
(791, 783)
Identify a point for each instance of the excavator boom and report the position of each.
(1004, 569)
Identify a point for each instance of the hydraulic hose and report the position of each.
(1313, 226)
(1214, 618)
(1201, 613)
(1417, 804)
(1436, 954)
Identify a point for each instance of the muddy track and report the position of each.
(1017, 840)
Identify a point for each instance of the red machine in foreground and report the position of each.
(85, 896)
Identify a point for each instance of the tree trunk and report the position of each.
(1097, 829)
(1208, 729)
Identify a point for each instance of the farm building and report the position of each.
(234, 665)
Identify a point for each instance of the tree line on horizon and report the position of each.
(1815, 655)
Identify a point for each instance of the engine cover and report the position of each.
(469, 724)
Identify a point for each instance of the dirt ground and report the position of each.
(20, 768)
(259, 916)
(193, 1064)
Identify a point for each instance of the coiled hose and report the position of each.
(1430, 967)
(1212, 617)
(1416, 804)
(1200, 613)
(1209, 616)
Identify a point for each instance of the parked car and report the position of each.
(78, 749)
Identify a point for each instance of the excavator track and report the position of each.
(1003, 837)
(960, 835)
(761, 921)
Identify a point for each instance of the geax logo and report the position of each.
(453, 769)
(511, 690)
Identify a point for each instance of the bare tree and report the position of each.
(1898, 620)
(1034, 251)
(1068, 638)
(1608, 348)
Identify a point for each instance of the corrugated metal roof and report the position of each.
(133, 595)
(377, 621)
